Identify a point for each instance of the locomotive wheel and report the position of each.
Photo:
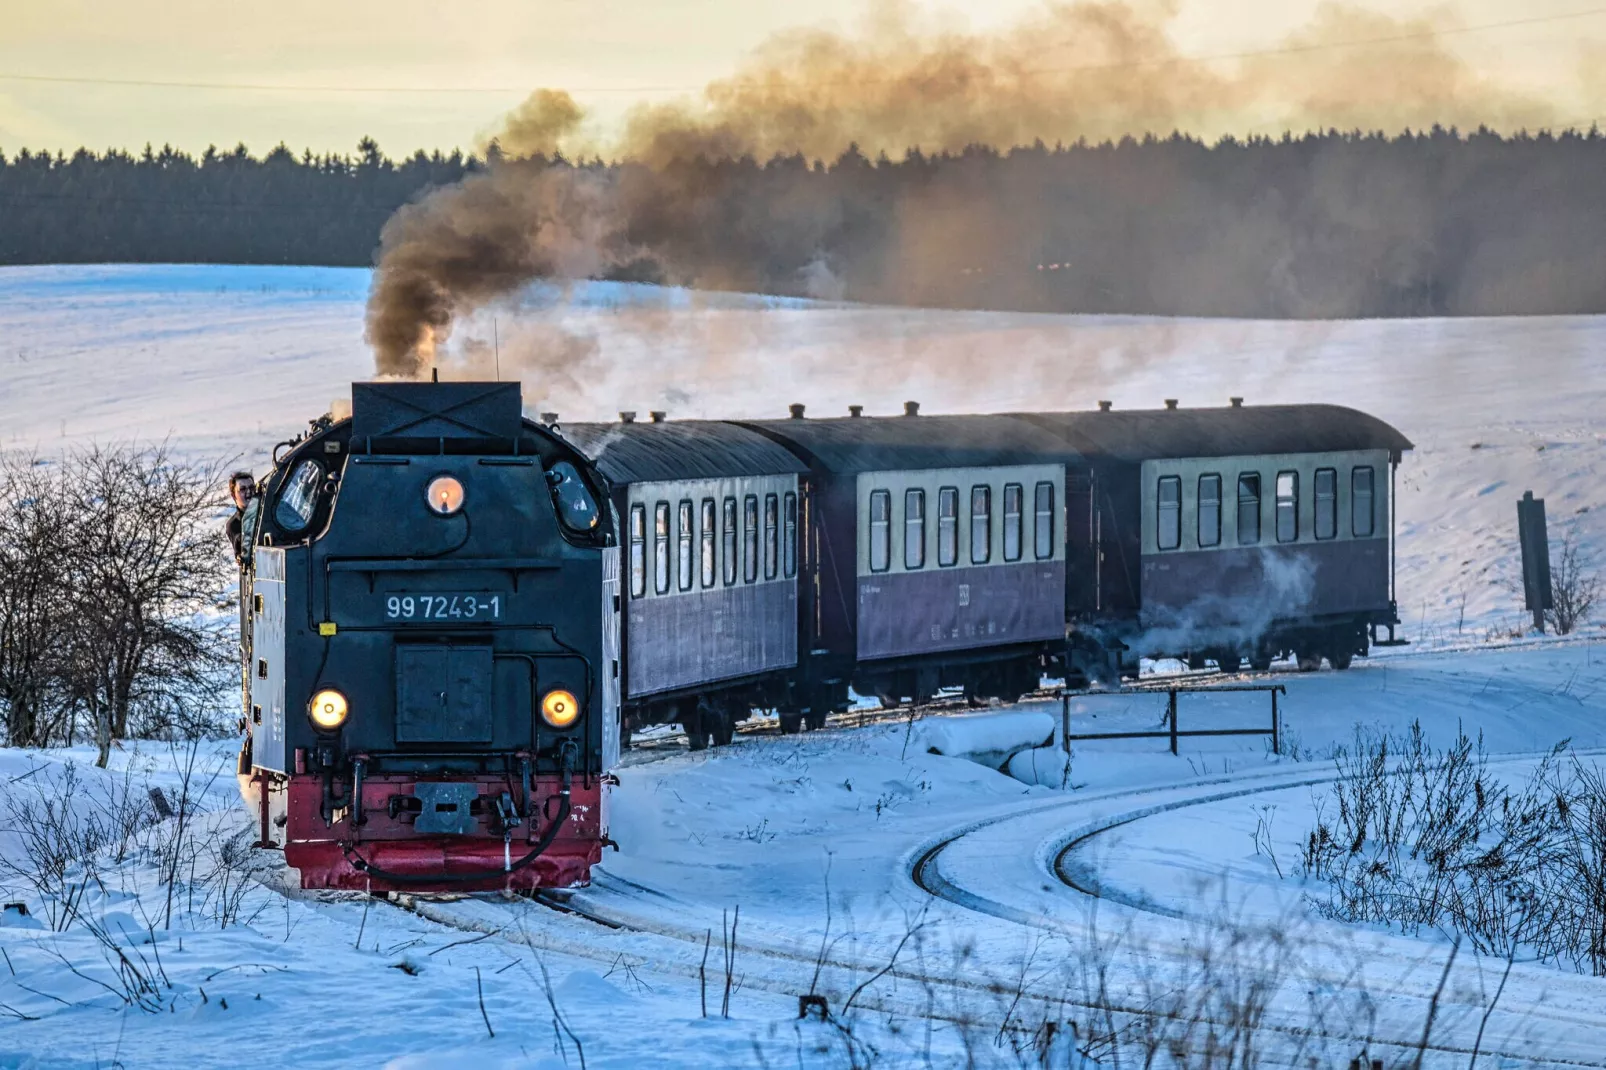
(1229, 663)
(1260, 662)
(696, 730)
(722, 726)
(1341, 661)
(791, 724)
(1308, 662)
(815, 720)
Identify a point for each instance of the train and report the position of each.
(454, 616)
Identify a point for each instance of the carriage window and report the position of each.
(683, 546)
(1013, 496)
(771, 536)
(705, 535)
(1168, 533)
(947, 527)
(789, 534)
(1360, 500)
(660, 547)
(299, 498)
(1043, 521)
(727, 542)
(1287, 506)
(1326, 503)
(750, 538)
(880, 530)
(1248, 508)
(1209, 510)
(914, 529)
(638, 550)
(981, 525)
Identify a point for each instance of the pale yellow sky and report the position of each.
(593, 47)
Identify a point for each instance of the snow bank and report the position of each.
(1047, 767)
(989, 738)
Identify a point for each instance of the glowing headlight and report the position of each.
(328, 709)
(559, 709)
(445, 495)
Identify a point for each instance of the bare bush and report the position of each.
(1574, 584)
(1427, 838)
(33, 533)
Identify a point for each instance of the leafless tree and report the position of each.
(1574, 584)
(148, 573)
(33, 527)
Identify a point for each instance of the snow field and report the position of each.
(820, 839)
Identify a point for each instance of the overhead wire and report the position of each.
(1282, 50)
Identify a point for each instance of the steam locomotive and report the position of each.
(451, 612)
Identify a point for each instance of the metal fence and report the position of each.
(1172, 731)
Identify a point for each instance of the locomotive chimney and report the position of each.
(658, 416)
(796, 411)
(855, 410)
(911, 408)
(549, 418)
(1104, 406)
(1237, 403)
(1170, 403)
(627, 417)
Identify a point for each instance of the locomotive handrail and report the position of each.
(381, 564)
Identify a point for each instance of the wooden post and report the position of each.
(1171, 715)
(1276, 742)
(1065, 720)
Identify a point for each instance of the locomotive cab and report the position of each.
(431, 662)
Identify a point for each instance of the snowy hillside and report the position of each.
(227, 360)
(1136, 904)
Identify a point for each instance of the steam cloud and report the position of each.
(1091, 70)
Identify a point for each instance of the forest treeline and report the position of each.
(1333, 224)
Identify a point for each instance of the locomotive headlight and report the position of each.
(445, 495)
(559, 709)
(328, 709)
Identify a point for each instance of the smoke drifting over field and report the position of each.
(688, 204)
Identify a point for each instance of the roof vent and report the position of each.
(855, 411)
(1104, 406)
(658, 416)
(796, 411)
(911, 408)
(627, 417)
(1237, 403)
(549, 418)
(1170, 403)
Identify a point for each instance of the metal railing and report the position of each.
(1172, 732)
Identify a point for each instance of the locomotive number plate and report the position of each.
(446, 606)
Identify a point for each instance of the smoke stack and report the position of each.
(549, 418)
(1104, 406)
(796, 411)
(1170, 403)
(911, 408)
(627, 417)
(1237, 403)
(855, 411)
(658, 416)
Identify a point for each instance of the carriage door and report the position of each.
(1082, 544)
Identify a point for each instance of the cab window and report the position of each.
(298, 499)
(1169, 515)
(577, 510)
(638, 550)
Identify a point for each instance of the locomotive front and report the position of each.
(430, 629)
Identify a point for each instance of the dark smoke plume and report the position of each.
(685, 208)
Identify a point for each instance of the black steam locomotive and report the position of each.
(453, 610)
(431, 646)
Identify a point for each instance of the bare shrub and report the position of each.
(34, 523)
(1574, 584)
(1427, 838)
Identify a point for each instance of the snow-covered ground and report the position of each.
(958, 909)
